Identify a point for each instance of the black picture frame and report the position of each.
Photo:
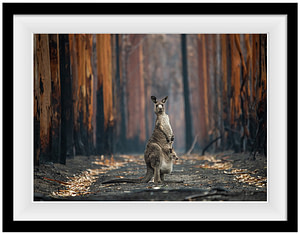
(11, 9)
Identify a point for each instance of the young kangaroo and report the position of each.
(159, 153)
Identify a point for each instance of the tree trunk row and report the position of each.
(92, 92)
(73, 79)
(232, 89)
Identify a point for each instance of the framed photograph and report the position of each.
(149, 112)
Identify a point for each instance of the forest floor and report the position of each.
(225, 176)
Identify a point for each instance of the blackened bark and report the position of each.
(187, 108)
(120, 144)
(66, 100)
(37, 141)
(100, 138)
(55, 99)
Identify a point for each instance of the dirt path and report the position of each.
(221, 177)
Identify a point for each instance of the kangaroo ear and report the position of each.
(164, 100)
(153, 98)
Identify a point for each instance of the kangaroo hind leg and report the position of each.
(155, 164)
(157, 175)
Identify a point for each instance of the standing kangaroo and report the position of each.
(159, 153)
(162, 119)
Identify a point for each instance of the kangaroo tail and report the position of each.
(122, 181)
(146, 179)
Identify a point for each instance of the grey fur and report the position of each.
(162, 121)
(160, 143)
(159, 153)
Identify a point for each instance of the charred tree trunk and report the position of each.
(37, 138)
(204, 93)
(105, 117)
(76, 90)
(260, 139)
(55, 98)
(66, 100)
(235, 104)
(90, 98)
(121, 139)
(186, 92)
(44, 98)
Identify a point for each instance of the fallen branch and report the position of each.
(57, 181)
(207, 194)
(212, 192)
(192, 146)
(206, 147)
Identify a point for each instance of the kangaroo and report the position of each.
(162, 119)
(159, 153)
